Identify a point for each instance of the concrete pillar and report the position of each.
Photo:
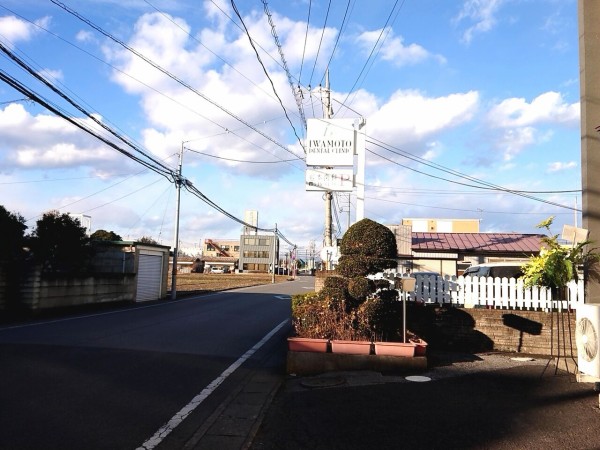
(589, 67)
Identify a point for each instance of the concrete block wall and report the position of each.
(42, 291)
(529, 332)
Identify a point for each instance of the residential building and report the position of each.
(257, 252)
(452, 253)
(443, 225)
(229, 248)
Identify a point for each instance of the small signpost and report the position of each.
(404, 285)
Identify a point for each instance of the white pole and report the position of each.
(360, 169)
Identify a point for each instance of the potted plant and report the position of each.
(558, 264)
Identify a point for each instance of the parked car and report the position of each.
(216, 270)
(496, 270)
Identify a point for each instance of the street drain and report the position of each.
(418, 378)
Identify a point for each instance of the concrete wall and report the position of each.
(42, 291)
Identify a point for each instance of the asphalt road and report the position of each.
(113, 379)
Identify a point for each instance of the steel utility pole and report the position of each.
(328, 113)
(178, 181)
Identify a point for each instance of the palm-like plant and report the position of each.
(558, 264)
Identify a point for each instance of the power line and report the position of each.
(239, 160)
(337, 40)
(320, 42)
(15, 84)
(169, 18)
(268, 76)
(480, 183)
(305, 41)
(479, 210)
(371, 53)
(169, 74)
(447, 192)
(372, 60)
(159, 167)
(295, 93)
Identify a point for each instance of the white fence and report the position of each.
(497, 293)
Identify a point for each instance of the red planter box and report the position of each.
(421, 347)
(299, 344)
(351, 347)
(395, 349)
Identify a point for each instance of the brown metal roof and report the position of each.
(481, 242)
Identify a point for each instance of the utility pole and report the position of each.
(178, 181)
(328, 113)
(274, 257)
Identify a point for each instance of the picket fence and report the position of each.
(493, 293)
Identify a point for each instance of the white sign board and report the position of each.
(330, 142)
(339, 180)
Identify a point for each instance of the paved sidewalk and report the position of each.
(235, 423)
(491, 401)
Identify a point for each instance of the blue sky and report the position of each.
(455, 94)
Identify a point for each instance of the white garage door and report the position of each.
(149, 277)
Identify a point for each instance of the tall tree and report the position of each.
(103, 235)
(60, 243)
(12, 234)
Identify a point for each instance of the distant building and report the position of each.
(229, 248)
(256, 252)
(424, 225)
(251, 218)
(84, 221)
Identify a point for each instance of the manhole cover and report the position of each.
(418, 378)
(322, 382)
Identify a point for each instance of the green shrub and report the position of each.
(382, 316)
(369, 238)
(359, 288)
(335, 292)
(367, 248)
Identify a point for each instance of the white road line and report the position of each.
(198, 399)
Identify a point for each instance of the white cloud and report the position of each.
(84, 36)
(40, 141)
(548, 107)
(15, 30)
(480, 14)
(521, 124)
(410, 116)
(393, 48)
(559, 166)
